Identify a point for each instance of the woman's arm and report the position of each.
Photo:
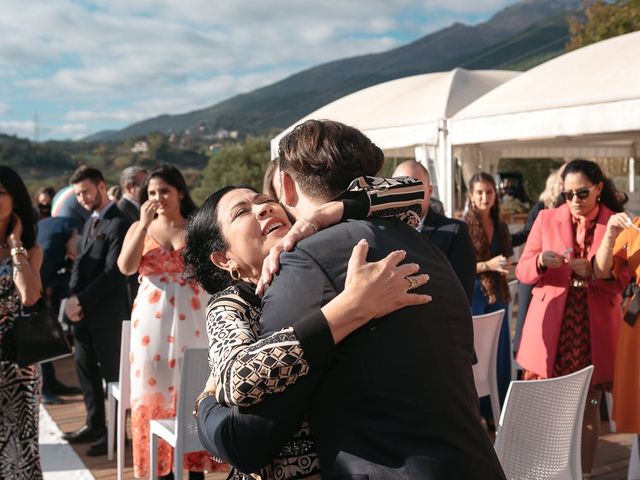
(245, 368)
(603, 260)
(133, 245)
(26, 265)
(399, 197)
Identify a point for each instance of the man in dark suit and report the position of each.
(98, 303)
(450, 235)
(374, 401)
(131, 180)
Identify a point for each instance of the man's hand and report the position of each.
(73, 309)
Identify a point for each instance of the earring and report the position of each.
(598, 199)
(235, 274)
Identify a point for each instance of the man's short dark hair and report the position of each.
(324, 156)
(84, 172)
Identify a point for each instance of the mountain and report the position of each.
(519, 35)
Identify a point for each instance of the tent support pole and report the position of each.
(632, 174)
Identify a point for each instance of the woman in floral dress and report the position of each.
(167, 317)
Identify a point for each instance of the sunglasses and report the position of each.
(581, 193)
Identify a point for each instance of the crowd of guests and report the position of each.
(194, 277)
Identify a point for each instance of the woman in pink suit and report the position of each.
(574, 318)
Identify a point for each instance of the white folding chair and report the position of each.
(540, 431)
(486, 333)
(181, 431)
(120, 392)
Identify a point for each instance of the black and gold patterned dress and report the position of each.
(247, 368)
(19, 393)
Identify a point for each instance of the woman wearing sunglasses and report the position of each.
(573, 318)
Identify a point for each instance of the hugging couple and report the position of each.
(355, 364)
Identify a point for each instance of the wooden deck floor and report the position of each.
(611, 458)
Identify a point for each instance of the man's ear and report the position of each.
(288, 190)
(220, 260)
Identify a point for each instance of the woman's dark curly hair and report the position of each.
(173, 177)
(13, 184)
(594, 174)
(493, 283)
(203, 237)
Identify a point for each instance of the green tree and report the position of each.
(238, 164)
(604, 20)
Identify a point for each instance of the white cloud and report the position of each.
(4, 109)
(117, 61)
(21, 128)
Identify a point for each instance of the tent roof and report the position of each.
(406, 111)
(591, 90)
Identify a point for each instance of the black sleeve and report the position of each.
(463, 259)
(251, 437)
(520, 237)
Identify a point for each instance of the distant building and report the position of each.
(233, 134)
(215, 147)
(140, 147)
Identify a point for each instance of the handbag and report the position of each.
(38, 336)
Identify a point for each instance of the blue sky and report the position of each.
(85, 66)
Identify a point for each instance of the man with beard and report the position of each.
(97, 304)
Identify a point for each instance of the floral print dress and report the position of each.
(167, 318)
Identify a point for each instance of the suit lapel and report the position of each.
(100, 228)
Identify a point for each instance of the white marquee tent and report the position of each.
(407, 117)
(583, 103)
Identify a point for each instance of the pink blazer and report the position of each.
(552, 230)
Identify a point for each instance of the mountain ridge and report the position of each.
(499, 42)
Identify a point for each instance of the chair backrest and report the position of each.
(540, 431)
(486, 332)
(125, 364)
(194, 373)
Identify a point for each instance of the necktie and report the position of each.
(94, 224)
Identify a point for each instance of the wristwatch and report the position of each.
(199, 398)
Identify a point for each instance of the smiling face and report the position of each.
(577, 184)
(251, 223)
(483, 196)
(167, 196)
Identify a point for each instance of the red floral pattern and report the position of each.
(168, 318)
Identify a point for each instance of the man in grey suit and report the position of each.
(374, 401)
(131, 180)
(450, 235)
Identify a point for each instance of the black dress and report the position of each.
(19, 392)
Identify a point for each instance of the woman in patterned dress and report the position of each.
(573, 318)
(245, 369)
(492, 242)
(167, 318)
(20, 260)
